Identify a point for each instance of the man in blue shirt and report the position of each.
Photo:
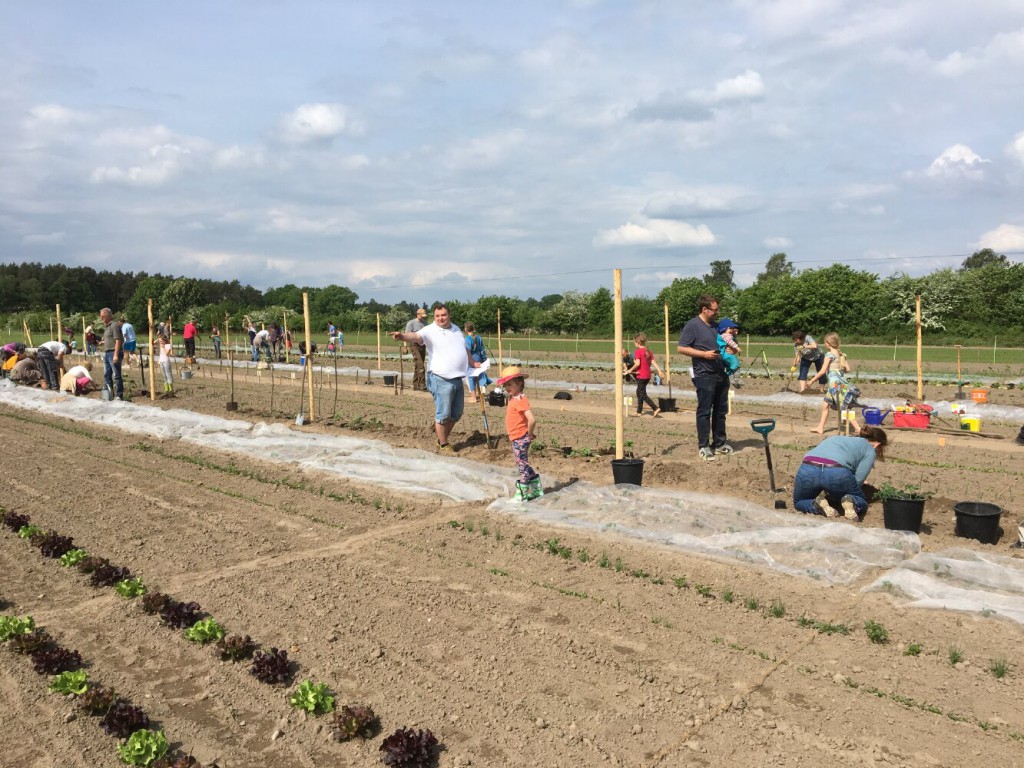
(699, 341)
(128, 331)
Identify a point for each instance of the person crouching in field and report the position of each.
(520, 425)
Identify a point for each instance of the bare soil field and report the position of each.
(447, 616)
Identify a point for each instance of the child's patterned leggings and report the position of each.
(520, 451)
(642, 397)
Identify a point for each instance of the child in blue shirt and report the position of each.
(728, 348)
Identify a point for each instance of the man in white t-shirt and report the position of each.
(50, 358)
(448, 360)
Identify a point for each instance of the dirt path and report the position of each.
(445, 616)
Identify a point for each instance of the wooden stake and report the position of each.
(668, 356)
(287, 352)
(920, 378)
(379, 364)
(231, 358)
(309, 351)
(500, 365)
(60, 328)
(617, 365)
(152, 373)
(28, 334)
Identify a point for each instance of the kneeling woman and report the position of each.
(838, 466)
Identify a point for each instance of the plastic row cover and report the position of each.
(372, 461)
(958, 580)
(723, 528)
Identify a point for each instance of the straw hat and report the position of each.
(512, 372)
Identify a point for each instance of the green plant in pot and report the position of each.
(902, 506)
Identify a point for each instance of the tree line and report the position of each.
(983, 298)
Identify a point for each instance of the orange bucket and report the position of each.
(979, 395)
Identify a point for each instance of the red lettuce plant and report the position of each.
(31, 642)
(109, 575)
(91, 563)
(355, 720)
(53, 661)
(406, 748)
(97, 700)
(16, 522)
(271, 666)
(235, 647)
(180, 615)
(122, 720)
(54, 545)
(154, 602)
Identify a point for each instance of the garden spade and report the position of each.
(483, 412)
(763, 427)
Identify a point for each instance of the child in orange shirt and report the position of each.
(520, 424)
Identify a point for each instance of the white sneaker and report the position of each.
(822, 505)
(849, 509)
(707, 454)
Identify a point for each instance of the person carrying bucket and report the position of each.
(520, 425)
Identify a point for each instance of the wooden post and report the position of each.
(28, 333)
(287, 354)
(60, 328)
(920, 379)
(617, 359)
(152, 372)
(668, 356)
(309, 352)
(85, 347)
(500, 366)
(379, 364)
(51, 327)
(231, 359)
(959, 381)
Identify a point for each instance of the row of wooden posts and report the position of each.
(619, 379)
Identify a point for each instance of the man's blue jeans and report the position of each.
(836, 482)
(112, 374)
(712, 406)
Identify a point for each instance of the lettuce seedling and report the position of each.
(130, 588)
(271, 667)
(180, 615)
(315, 699)
(236, 647)
(73, 557)
(75, 683)
(154, 602)
(28, 531)
(53, 661)
(109, 575)
(406, 748)
(122, 719)
(205, 631)
(53, 545)
(97, 700)
(143, 748)
(355, 720)
(12, 625)
(14, 521)
(31, 642)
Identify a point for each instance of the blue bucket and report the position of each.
(875, 417)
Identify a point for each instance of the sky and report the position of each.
(447, 150)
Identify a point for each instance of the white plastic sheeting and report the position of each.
(369, 461)
(958, 580)
(724, 528)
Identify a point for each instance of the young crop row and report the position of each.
(875, 632)
(141, 745)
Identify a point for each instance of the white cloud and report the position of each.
(1005, 237)
(164, 162)
(958, 162)
(743, 87)
(710, 201)
(660, 233)
(52, 238)
(319, 123)
(776, 242)
(54, 115)
(1016, 149)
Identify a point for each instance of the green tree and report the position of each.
(778, 265)
(178, 297)
(983, 258)
(137, 307)
(721, 274)
(289, 296)
(569, 315)
(601, 312)
(332, 301)
(938, 293)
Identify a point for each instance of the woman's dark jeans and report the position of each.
(836, 482)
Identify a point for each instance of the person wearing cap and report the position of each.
(520, 425)
(447, 366)
(699, 340)
(727, 346)
(419, 376)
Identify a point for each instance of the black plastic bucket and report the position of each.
(630, 471)
(978, 520)
(903, 514)
(389, 379)
(667, 404)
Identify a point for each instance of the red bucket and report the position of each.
(911, 420)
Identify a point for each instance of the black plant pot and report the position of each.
(629, 471)
(903, 514)
(978, 520)
(667, 404)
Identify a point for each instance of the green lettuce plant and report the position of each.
(314, 698)
(205, 631)
(12, 625)
(143, 748)
(76, 682)
(73, 557)
(130, 588)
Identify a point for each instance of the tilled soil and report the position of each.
(513, 651)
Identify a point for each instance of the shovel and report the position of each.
(763, 427)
